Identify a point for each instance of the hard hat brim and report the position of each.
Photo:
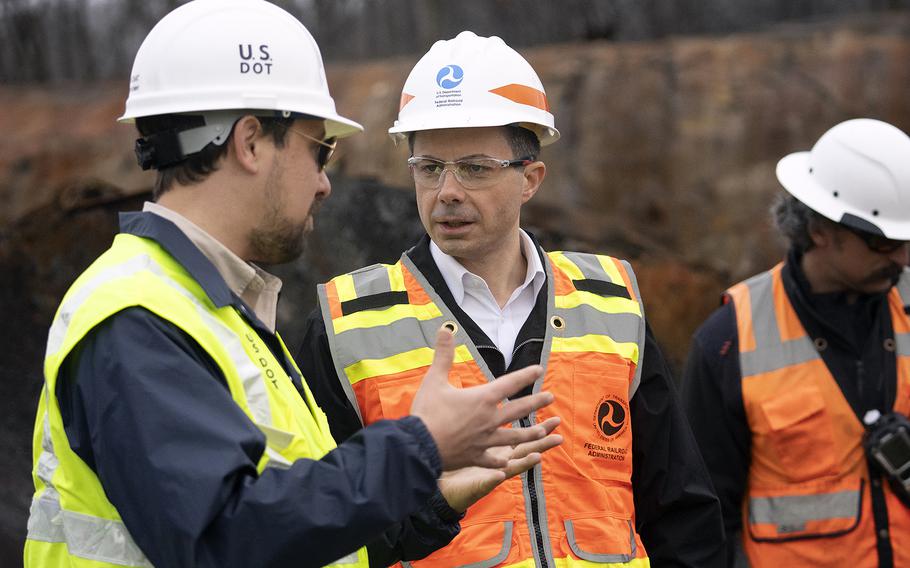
(795, 174)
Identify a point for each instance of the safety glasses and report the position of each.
(325, 149)
(471, 173)
(876, 243)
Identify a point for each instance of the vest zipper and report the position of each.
(535, 512)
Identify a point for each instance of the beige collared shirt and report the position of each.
(256, 287)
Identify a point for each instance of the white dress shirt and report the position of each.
(472, 295)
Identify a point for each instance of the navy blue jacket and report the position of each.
(676, 510)
(150, 413)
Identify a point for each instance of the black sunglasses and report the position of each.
(325, 149)
(876, 243)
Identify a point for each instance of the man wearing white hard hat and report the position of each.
(627, 486)
(174, 428)
(798, 387)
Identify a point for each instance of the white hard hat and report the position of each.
(857, 174)
(472, 81)
(226, 58)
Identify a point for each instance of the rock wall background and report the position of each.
(667, 158)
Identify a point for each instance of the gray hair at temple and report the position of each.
(795, 221)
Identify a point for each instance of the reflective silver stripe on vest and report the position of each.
(366, 284)
(641, 329)
(253, 383)
(770, 352)
(403, 335)
(400, 336)
(93, 537)
(791, 513)
(902, 340)
(348, 559)
(590, 266)
(596, 557)
(346, 386)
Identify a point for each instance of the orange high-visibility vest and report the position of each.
(808, 500)
(576, 508)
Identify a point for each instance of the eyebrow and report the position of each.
(468, 157)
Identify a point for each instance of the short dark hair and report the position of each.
(795, 221)
(196, 167)
(522, 141)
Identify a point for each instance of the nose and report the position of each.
(324, 189)
(901, 255)
(450, 189)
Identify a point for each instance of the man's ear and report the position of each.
(533, 175)
(247, 144)
(821, 234)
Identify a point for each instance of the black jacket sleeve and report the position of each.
(676, 509)
(148, 410)
(712, 398)
(430, 529)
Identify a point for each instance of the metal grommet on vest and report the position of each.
(890, 345)
(557, 322)
(820, 344)
(451, 326)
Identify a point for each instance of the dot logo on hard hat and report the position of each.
(449, 76)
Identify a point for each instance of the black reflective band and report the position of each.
(373, 301)
(601, 288)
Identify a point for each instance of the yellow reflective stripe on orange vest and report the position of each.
(421, 357)
(380, 366)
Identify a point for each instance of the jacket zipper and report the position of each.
(535, 512)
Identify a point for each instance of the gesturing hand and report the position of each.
(464, 487)
(466, 423)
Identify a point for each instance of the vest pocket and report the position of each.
(806, 511)
(482, 545)
(601, 424)
(801, 433)
(605, 540)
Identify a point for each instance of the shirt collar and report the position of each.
(246, 280)
(176, 243)
(455, 274)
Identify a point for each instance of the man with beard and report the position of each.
(174, 428)
(803, 362)
(627, 487)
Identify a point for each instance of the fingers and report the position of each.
(515, 436)
(508, 385)
(536, 446)
(550, 424)
(493, 460)
(521, 407)
(443, 355)
(521, 465)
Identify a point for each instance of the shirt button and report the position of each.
(883, 534)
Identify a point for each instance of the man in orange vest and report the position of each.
(627, 486)
(807, 363)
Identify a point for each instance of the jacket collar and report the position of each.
(179, 246)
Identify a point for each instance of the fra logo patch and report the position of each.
(610, 418)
